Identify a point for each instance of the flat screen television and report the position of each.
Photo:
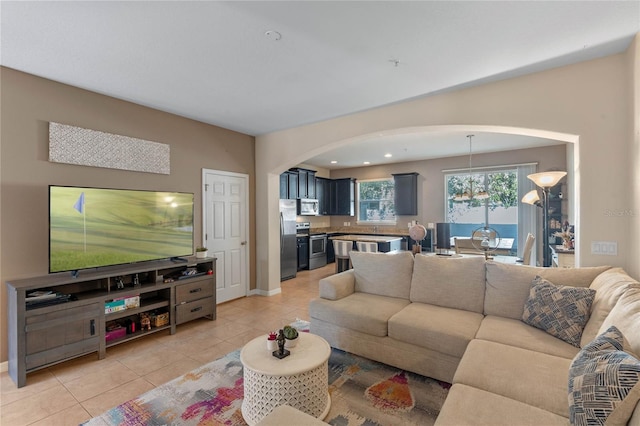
(96, 227)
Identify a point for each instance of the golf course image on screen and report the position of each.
(94, 227)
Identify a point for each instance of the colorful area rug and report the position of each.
(363, 392)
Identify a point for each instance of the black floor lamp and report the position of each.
(546, 181)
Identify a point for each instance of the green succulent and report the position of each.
(290, 332)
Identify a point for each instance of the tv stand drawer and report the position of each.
(198, 289)
(197, 309)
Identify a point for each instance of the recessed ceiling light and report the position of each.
(388, 155)
(366, 162)
(273, 35)
(334, 162)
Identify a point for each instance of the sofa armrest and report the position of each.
(338, 286)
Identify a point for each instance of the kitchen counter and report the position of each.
(363, 230)
(386, 243)
(367, 238)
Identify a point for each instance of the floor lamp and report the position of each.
(546, 181)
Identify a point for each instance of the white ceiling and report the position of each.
(222, 63)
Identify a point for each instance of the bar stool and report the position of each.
(367, 247)
(341, 250)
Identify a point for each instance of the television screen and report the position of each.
(94, 227)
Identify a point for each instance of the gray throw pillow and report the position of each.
(604, 382)
(559, 310)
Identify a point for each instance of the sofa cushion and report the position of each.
(449, 282)
(385, 274)
(530, 377)
(466, 405)
(367, 313)
(625, 315)
(604, 382)
(516, 333)
(559, 310)
(445, 330)
(337, 286)
(609, 286)
(508, 285)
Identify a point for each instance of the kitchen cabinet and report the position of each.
(303, 252)
(306, 182)
(406, 194)
(289, 185)
(342, 197)
(323, 195)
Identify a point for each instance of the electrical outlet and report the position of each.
(607, 248)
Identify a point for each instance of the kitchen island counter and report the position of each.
(367, 238)
(385, 243)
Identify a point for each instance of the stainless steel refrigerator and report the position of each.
(288, 242)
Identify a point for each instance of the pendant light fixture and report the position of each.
(469, 194)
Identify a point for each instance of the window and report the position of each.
(501, 206)
(375, 201)
(498, 209)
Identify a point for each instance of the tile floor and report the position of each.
(72, 392)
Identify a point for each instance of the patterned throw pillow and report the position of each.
(559, 310)
(604, 382)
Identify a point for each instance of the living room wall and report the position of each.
(29, 103)
(588, 103)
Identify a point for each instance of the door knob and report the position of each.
(243, 243)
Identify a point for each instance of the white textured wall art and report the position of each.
(75, 145)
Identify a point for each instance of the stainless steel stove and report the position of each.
(317, 243)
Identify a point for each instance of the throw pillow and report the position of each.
(604, 382)
(559, 310)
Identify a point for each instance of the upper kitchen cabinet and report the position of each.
(342, 197)
(289, 185)
(323, 195)
(406, 194)
(306, 182)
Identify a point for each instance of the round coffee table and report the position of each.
(300, 380)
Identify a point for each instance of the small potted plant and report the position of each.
(201, 252)
(291, 336)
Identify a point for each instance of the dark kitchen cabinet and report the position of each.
(306, 182)
(406, 194)
(303, 252)
(289, 185)
(342, 197)
(323, 195)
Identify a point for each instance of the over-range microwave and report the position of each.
(307, 207)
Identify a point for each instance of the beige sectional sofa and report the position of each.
(459, 320)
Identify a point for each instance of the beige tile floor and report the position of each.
(72, 392)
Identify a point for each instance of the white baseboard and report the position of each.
(258, 292)
(4, 366)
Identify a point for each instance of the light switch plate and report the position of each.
(607, 248)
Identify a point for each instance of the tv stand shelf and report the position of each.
(43, 335)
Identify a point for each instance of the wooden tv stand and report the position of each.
(43, 332)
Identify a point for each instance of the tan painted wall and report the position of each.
(585, 102)
(29, 103)
(633, 215)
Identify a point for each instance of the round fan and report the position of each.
(485, 239)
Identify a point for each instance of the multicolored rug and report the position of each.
(363, 392)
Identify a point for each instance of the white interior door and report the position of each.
(225, 217)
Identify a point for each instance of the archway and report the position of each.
(298, 154)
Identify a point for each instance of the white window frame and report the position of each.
(372, 222)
